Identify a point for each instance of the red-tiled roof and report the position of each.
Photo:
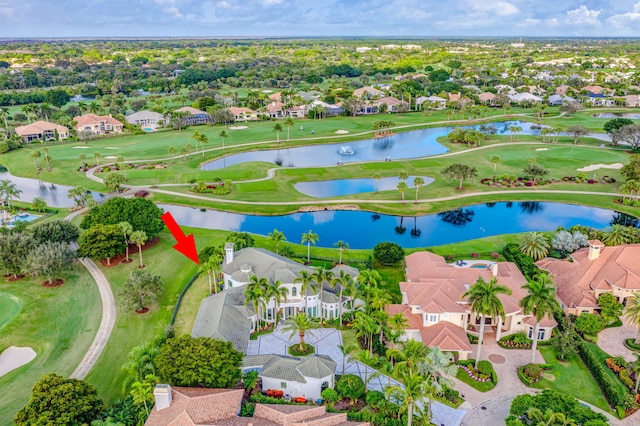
(38, 127)
(197, 406)
(446, 336)
(93, 119)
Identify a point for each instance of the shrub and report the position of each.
(589, 324)
(625, 378)
(375, 399)
(557, 403)
(330, 396)
(350, 386)
(388, 253)
(532, 372)
(614, 395)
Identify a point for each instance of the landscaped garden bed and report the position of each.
(484, 378)
(515, 341)
(306, 349)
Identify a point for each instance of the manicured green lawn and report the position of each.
(58, 323)
(571, 378)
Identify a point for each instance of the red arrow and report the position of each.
(185, 244)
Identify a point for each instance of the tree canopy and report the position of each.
(388, 253)
(101, 242)
(59, 231)
(141, 290)
(142, 214)
(59, 401)
(188, 361)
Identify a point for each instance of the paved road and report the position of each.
(108, 316)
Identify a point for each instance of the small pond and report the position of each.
(53, 194)
(631, 115)
(363, 230)
(340, 187)
(405, 145)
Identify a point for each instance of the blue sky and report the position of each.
(109, 18)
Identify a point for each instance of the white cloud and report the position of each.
(271, 2)
(625, 20)
(173, 11)
(583, 16)
(499, 7)
(223, 5)
(164, 1)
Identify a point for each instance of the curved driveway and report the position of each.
(108, 316)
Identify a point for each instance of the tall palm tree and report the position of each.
(484, 301)
(410, 396)
(535, 244)
(308, 283)
(342, 279)
(377, 176)
(368, 281)
(278, 293)
(366, 327)
(8, 191)
(288, 122)
(277, 128)
(35, 155)
(309, 238)
(47, 158)
(172, 152)
(127, 230)
(276, 236)
(397, 325)
(342, 245)
(321, 276)
(345, 350)
(403, 176)
(495, 160)
(139, 238)
(223, 135)
(254, 295)
(97, 157)
(632, 312)
(402, 187)
(418, 182)
(540, 302)
(301, 325)
(77, 193)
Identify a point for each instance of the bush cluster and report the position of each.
(556, 402)
(512, 253)
(614, 395)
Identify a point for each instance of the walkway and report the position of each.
(611, 340)
(107, 321)
(326, 341)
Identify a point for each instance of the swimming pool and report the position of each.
(23, 217)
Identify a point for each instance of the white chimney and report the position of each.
(228, 251)
(595, 247)
(494, 269)
(162, 395)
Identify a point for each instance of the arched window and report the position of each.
(294, 291)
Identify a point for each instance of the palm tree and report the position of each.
(172, 152)
(35, 155)
(77, 194)
(82, 158)
(540, 302)
(403, 176)
(254, 295)
(309, 238)
(397, 324)
(632, 312)
(142, 392)
(342, 245)
(277, 128)
(484, 301)
(377, 177)
(402, 187)
(535, 244)
(127, 230)
(345, 350)
(366, 327)
(438, 369)
(301, 324)
(47, 158)
(495, 160)
(321, 276)
(343, 280)
(548, 418)
(410, 396)
(97, 156)
(277, 236)
(306, 279)
(288, 122)
(8, 191)
(223, 135)
(616, 235)
(139, 238)
(278, 293)
(418, 182)
(39, 204)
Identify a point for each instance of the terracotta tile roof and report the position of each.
(486, 96)
(414, 320)
(276, 97)
(446, 336)
(191, 110)
(93, 119)
(275, 106)
(237, 110)
(616, 266)
(40, 126)
(546, 322)
(197, 406)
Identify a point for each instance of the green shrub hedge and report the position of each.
(615, 393)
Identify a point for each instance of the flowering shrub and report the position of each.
(591, 181)
(274, 393)
(475, 255)
(532, 372)
(142, 193)
(528, 183)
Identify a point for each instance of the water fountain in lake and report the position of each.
(346, 150)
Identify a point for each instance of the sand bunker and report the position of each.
(593, 167)
(238, 127)
(111, 147)
(14, 357)
(542, 149)
(111, 157)
(81, 147)
(267, 91)
(341, 132)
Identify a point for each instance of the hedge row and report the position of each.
(512, 253)
(613, 393)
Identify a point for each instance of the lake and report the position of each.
(340, 187)
(53, 194)
(405, 145)
(363, 230)
(631, 115)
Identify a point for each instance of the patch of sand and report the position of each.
(81, 147)
(593, 167)
(111, 157)
(267, 91)
(238, 127)
(111, 147)
(341, 132)
(542, 149)
(14, 357)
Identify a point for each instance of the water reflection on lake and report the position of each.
(364, 230)
(53, 194)
(340, 187)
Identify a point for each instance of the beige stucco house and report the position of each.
(42, 131)
(92, 124)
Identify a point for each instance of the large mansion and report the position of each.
(438, 315)
(592, 271)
